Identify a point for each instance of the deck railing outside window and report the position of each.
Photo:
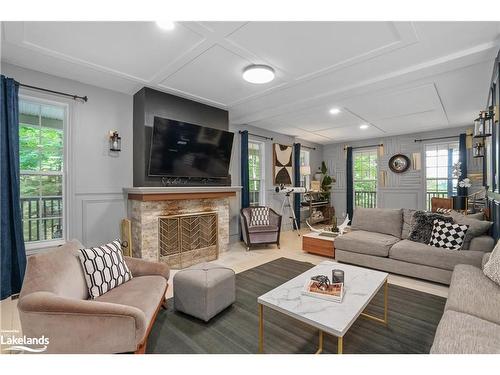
(37, 229)
(366, 199)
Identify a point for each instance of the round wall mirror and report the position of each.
(399, 163)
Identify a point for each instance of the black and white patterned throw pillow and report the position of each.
(444, 211)
(104, 268)
(259, 216)
(448, 235)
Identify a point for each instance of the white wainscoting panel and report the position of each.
(399, 199)
(98, 217)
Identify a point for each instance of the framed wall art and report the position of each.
(282, 164)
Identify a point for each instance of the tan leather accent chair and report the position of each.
(54, 302)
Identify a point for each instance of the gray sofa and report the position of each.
(471, 320)
(379, 240)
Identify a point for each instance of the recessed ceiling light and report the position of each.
(364, 126)
(335, 111)
(258, 74)
(165, 25)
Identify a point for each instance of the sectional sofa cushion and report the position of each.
(418, 253)
(492, 267)
(476, 227)
(482, 243)
(380, 220)
(408, 222)
(424, 221)
(364, 242)
(473, 293)
(459, 333)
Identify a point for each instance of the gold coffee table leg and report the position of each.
(320, 346)
(375, 318)
(261, 328)
(340, 345)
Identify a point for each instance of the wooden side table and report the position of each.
(316, 244)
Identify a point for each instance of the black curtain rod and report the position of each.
(354, 148)
(74, 97)
(310, 148)
(256, 135)
(436, 138)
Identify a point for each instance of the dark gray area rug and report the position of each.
(413, 318)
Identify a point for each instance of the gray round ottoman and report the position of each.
(204, 290)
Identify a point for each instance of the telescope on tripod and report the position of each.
(287, 202)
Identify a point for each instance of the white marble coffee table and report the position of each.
(361, 285)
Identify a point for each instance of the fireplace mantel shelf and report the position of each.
(180, 192)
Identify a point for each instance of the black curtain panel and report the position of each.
(296, 180)
(245, 174)
(462, 158)
(349, 184)
(12, 251)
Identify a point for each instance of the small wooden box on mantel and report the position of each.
(316, 244)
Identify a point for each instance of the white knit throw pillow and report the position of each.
(492, 267)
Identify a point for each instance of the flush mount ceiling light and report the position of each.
(364, 126)
(165, 25)
(335, 111)
(258, 74)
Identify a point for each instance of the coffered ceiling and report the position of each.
(397, 77)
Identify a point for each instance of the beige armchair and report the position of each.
(54, 302)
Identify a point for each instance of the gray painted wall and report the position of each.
(406, 190)
(95, 202)
(272, 198)
(149, 103)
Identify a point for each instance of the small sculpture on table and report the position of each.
(319, 286)
(322, 280)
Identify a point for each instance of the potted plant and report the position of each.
(326, 181)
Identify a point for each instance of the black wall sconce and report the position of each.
(483, 124)
(115, 141)
(478, 150)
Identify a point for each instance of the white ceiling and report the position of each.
(398, 77)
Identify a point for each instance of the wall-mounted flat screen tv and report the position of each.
(180, 149)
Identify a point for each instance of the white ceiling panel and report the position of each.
(463, 92)
(316, 138)
(397, 102)
(401, 77)
(216, 74)
(314, 119)
(457, 35)
(351, 132)
(302, 48)
(136, 49)
(223, 28)
(413, 122)
(23, 57)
